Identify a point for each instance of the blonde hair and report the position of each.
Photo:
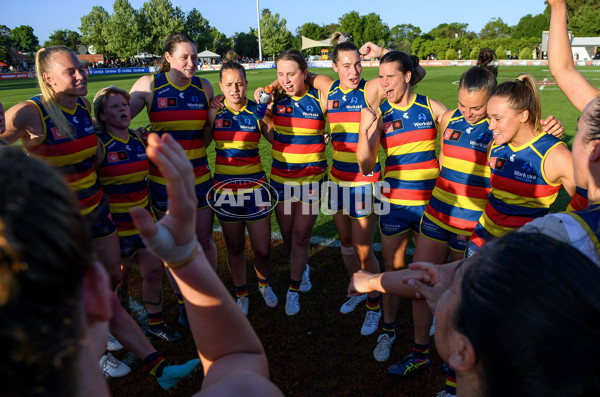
(522, 94)
(99, 100)
(44, 59)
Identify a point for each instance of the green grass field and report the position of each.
(441, 83)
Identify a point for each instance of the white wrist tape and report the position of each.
(162, 245)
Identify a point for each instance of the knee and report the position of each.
(347, 249)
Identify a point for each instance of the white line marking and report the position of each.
(322, 241)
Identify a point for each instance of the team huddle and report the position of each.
(499, 167)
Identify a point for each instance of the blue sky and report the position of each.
(230, 16)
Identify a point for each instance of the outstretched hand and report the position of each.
(430, 284)
(176, 168)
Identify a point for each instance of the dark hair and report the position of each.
(406, 63)
(343, 46)
(591, 117)
(232, 65)
(522, 94)
(483, 75)
(169, 47)
(290, 55)
(530, 305)
(45, 251)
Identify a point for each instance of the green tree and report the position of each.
(198, 28)
(123, 25)
(332, 28)
(5, 44)
(158, 20)
(93, 29)
(402, 36)
(474, 53)
(220, 43)
(531, 26)
(375, 30)
(275, 35)
(495, 28)
(246, 44)
(64, 37)
(586, 21)
(449, 30)
(23, 38)
(525, 53)
(501, 52)
(365, 28)
(451, 54)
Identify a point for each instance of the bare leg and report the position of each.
(343, 224)
(152, 289)
(109, 254)
(260, 239)
(235, 242)
(394, 250)
(426, 250)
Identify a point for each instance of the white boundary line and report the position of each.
(322, 241)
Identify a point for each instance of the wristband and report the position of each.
(162, 245)
(380, 52)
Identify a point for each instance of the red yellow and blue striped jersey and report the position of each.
(181, 112)
(73, 158)
(462, 189)
(298, 149)
(589, 218)
(520, 191)
(579, 201)
(343, 112)
(122, 174)
(236, 136)
(408, 140)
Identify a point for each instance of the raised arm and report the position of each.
(577, 89)
(141, 95)
(369, 133)
(231, 353)
(321, 82)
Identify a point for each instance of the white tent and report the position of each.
(309, 43)
(208, 55)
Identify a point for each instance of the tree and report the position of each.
(158, 20)
(451, 54)
(474, 53)
(586, 22)
(495, 28)
(351, 23)
(64, 37)
(375, 30)
(402, 36)
(275, 36)
(525, 53)
(246, 44)
(123, 25)
(5, 44)
(449, 30)
(23, 38)
(198, 28)
(531, 26)
(220, 43)
(93, 29)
